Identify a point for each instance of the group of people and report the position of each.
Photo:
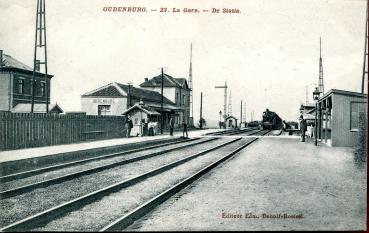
(148, 128)
(171, 127)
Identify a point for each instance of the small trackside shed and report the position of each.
(339, 112)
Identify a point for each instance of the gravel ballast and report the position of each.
(18, 207)
(100, 213)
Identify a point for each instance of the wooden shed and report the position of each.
(339, 112)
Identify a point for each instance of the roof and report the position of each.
(37, 108)
(144, 108)
(168, 81)
(9, 61)
(343, 92)
(231, 117)
(121, 90)
(56, 108)
(12, 64)
(165, 106)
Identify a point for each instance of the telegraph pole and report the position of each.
(40, 41)
(241, 116)
(201, 111)
(129, 102)
(225, 87)
(365, 67)
(245, 114)
(162, 99)
(191, 87)
(321, 82)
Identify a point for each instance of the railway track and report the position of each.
(24, 174)
(81, 172)
(202, 161)
(230, 132)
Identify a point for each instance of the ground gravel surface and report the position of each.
(98, 214)
(19, 207)
(89, 165)
(274, 175)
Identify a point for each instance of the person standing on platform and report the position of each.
(302, 128)
(171, 125)
(129, 126)
(185, 128)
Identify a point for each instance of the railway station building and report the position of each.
(174, 89)
(16, 86)
(116, 98)
(339, 114)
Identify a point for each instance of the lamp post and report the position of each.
(316, 94)
(141, 129)
(220, 119)
(301, 110)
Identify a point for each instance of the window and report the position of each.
(103, 110)
(20, 86)
(42, 88)
(183, 100)
(357, 110)
(177, 97)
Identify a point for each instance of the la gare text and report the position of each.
(172, 10)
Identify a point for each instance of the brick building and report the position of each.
(16, 86)
(175, 89)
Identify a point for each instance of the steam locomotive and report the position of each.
(271, 120)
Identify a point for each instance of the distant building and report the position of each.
(338, 117)
(16, 86)
(231, 122)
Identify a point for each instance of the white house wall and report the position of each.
(90, 105)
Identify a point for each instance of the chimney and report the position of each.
(1, 57)
(37, 65)
(146, 79)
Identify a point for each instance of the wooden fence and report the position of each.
(23, 130)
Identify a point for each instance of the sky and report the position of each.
(268, 53)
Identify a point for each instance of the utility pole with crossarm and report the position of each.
(225, 87)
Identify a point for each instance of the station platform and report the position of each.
(275, 184)
(21, 154)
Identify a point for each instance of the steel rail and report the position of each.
(232, 132)
(30, 187)
(32, 172)
(129, 218)
(59, 210)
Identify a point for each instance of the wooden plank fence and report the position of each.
(24, 130)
